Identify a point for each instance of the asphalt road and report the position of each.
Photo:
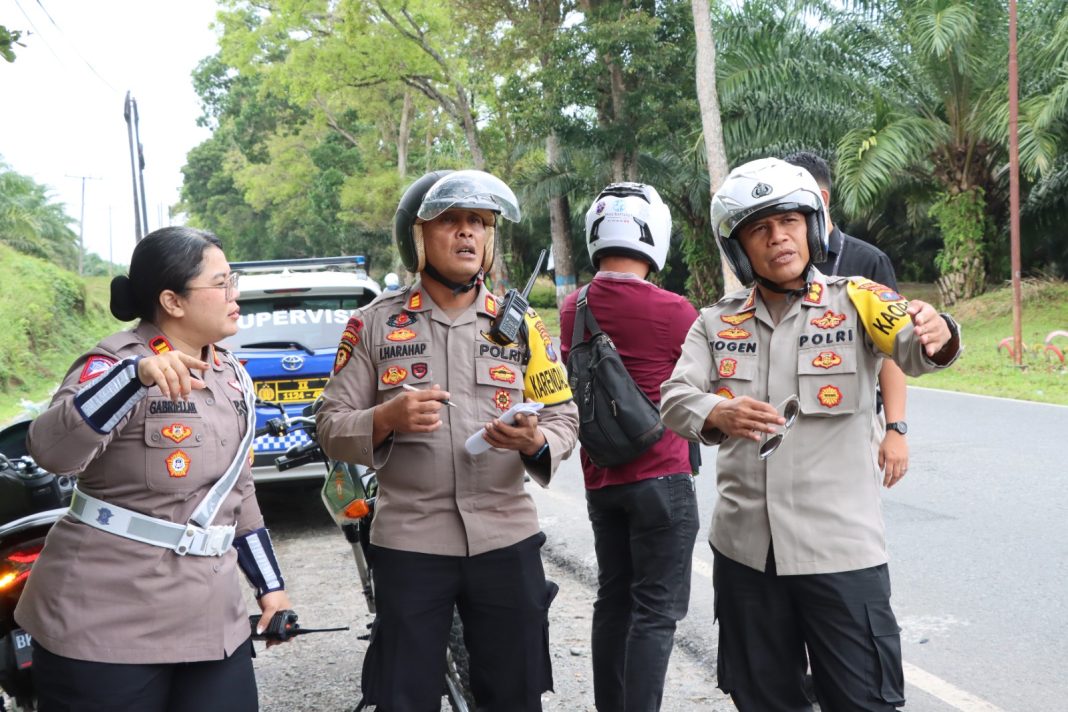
(977, 547)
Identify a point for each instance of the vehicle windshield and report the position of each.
(312, 322)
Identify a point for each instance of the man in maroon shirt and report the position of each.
(644, 513)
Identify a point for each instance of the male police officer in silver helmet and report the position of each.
(416, 374)
(781, 375)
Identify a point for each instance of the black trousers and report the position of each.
(503, 599)
(69, 685)
(643, 534)
(766, 622)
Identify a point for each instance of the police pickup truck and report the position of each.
(292, 316)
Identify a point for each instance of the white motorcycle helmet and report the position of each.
(760, 188)
(629, 219)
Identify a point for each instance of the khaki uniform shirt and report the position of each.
(94, 595)
(434, 497)
(818, 496)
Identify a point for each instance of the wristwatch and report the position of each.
(898, 425)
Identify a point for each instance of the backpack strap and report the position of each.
(584, 319)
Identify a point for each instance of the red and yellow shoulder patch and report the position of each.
(350, 337)
(815, 294)
(415, 300)
(160, 345)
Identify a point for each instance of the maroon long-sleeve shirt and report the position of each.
(648, 325)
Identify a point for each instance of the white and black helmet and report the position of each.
(629, 219)
(760, 188)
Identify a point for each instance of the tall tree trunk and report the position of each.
(403, 135)
(560, 228)
(712, 129)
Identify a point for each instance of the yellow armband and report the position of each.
(881, 311)
(545, 379)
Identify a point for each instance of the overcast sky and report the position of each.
(61, 104)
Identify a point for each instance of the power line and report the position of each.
(69, 42)
(37, 32)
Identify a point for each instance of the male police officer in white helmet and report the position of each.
(416, 374)
(781, 375)
(643, 512)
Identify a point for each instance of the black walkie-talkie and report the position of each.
(510, 311)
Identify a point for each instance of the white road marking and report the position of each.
(919, 678)
(952, 695)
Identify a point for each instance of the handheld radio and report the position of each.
(509, 319)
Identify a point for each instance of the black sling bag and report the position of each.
(617, 421)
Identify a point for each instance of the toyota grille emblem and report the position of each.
(292, 362)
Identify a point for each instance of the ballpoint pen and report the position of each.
(446, 401)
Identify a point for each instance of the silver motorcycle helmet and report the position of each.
(755, 190)
(438, 191)
(629, 219)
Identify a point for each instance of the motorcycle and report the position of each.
(31, 501)
(349, 493)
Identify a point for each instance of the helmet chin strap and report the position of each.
(797, 293)
(456, 287)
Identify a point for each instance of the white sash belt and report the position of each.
(182, 539)
(198, 536)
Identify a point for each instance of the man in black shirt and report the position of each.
(850, 257)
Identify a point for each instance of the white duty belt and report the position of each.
(197, 536)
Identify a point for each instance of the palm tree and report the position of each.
(32, 223)
(937, 113)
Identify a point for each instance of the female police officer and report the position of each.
(797, 532)
(451, 528)
(134, 603)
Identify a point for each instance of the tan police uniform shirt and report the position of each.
(818, 496)
(434, 497)
(94, 595)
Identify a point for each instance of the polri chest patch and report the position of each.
(178, 464)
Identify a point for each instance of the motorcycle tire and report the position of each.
(458, 669)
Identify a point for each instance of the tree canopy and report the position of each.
(323, 111)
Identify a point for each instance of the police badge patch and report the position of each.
(96, 366)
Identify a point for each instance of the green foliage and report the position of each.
(323, 111)
(32, 223)
(50, 317)
(987, 370)
(8, 40)
(962, 221)
(543, 295)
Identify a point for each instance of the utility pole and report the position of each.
(81, 224)
(137, 165)
(1014, 191)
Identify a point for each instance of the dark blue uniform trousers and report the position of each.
(69, 685)
(644, 535)
(503, 599)
(844, 619)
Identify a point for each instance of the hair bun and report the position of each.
(122, 299)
